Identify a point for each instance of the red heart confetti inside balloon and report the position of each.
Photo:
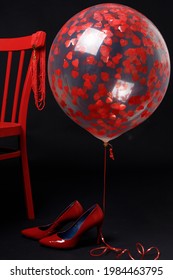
(108, 69)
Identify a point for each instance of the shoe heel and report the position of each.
(99, 235)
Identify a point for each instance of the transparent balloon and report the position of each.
(108, 69)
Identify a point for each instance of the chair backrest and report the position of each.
(16, 60)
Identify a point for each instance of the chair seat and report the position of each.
(9, 129)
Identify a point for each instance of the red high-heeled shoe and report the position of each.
(71, 213)
(70, 237)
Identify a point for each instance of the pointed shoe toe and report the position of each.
(33, 233)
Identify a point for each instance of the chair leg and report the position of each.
(26, 178)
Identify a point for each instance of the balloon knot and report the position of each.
(111, 153)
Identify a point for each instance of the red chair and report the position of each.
(27, 55)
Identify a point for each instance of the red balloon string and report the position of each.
(111, 155)
(99, 251)
(104, 178)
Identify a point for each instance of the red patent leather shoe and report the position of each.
(71, 213)
(93, 217)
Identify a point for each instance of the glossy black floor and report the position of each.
(138, 209)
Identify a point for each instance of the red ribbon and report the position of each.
(111, 154)
(38, 68)
(97, 252)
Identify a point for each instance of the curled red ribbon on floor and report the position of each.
(100, 251)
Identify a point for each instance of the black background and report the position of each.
(66, 162)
